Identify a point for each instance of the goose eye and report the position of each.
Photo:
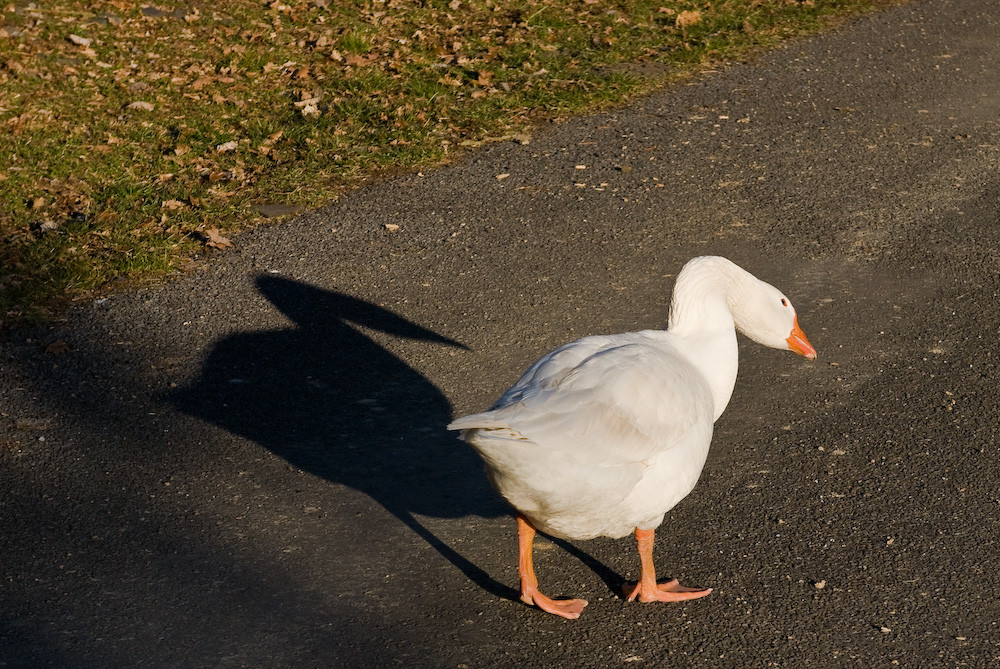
(784, 302)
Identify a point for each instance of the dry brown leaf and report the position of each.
(200, 83)
(142, 106)
(172, 205)
(214, 239)
(228, 146)
(687, 18)
(79, 41)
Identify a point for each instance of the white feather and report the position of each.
(606, 434)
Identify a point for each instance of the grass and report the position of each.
(134, 136)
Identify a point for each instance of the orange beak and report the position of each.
(797, 342)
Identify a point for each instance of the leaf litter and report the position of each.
(127, 125)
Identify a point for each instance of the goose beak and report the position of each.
(797, 342)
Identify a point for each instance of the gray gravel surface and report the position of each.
(248, 466)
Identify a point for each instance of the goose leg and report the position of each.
(647, 589)
(567, 608)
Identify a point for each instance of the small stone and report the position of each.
(819, 585)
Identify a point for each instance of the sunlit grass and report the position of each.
(124, 134)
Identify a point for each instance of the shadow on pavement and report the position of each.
(334, 403)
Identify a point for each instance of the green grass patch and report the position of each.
(133, 133)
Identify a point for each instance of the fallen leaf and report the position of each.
(200, 83)
(172, 204)
(45, 226)
(79, 41)
(142, 106)
(213, 239)
(501, 177)
(228, 146)
(687, 18)
(391, 227)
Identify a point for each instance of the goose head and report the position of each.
(763, 313)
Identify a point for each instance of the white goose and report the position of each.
(603, 436)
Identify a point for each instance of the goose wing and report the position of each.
(605, 402)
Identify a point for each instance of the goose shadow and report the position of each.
(332, 402)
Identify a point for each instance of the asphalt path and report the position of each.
(248, 466)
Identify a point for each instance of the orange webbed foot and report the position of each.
(566, 608)
(669, 591)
